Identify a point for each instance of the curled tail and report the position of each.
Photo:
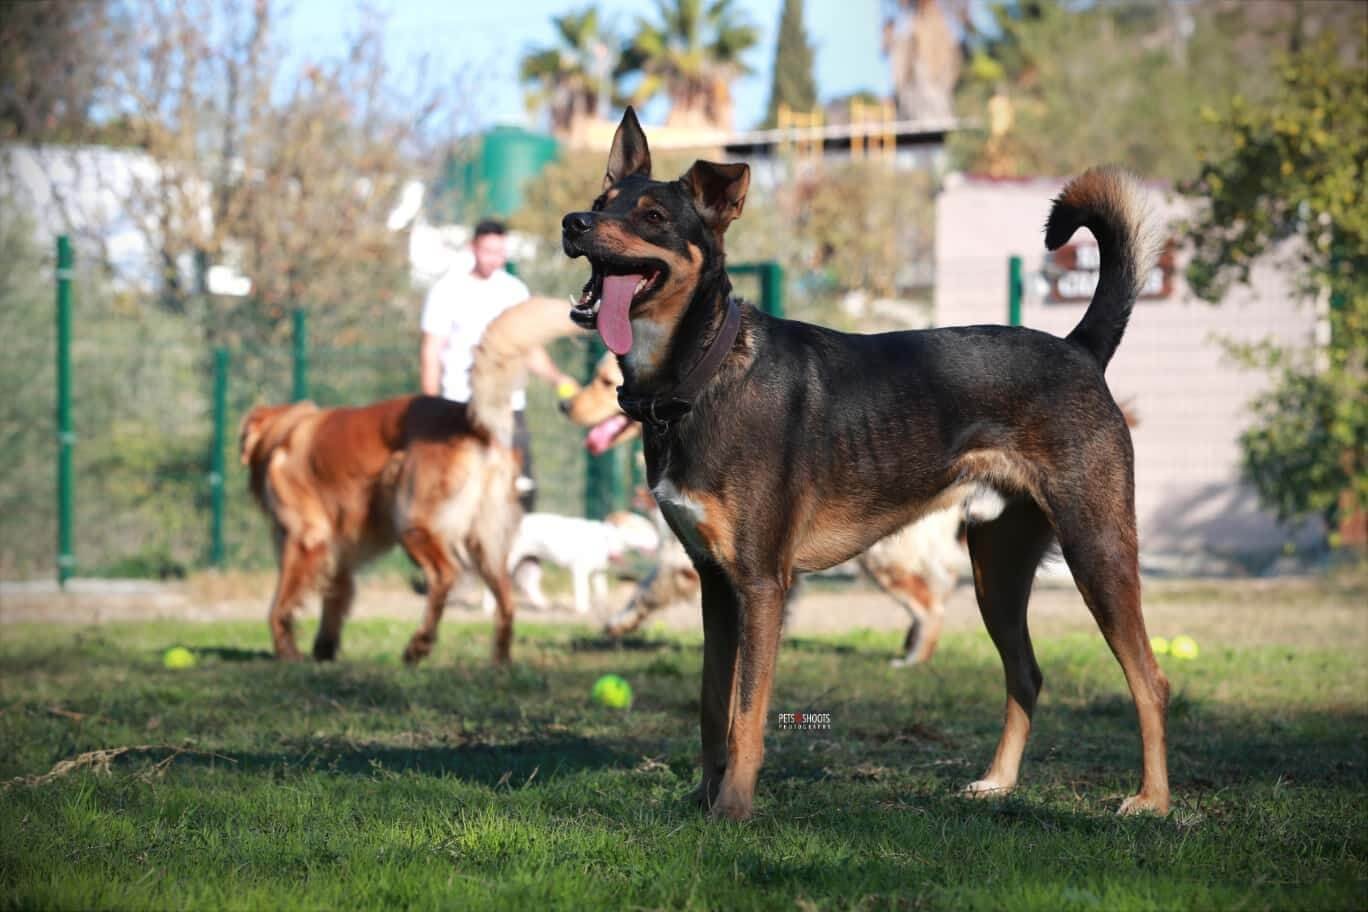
(500, 358)
(1112, 204)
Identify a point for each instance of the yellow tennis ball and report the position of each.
(179, 657)
(1159, 645)
(612, 691)
(1184, 647)
(567, 388)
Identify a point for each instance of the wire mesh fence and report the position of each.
(157, 488)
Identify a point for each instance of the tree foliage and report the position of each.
(1068, 85)
(1289, 174)
(690, 52)
(572, 79)
(284, 172)
(792, 82)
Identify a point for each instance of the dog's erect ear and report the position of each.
(630, 154)
(719, 191)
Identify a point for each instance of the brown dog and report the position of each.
(342, 486)
(776, 447)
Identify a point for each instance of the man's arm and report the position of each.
(540, 363)
(430, 363)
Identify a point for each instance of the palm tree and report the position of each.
(573, 80)
(691, 53)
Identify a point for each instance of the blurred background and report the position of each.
(255, 196)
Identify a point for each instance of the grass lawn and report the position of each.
(366, 784)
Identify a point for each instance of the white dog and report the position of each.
(586, 547)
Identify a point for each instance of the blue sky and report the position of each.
(492, 36)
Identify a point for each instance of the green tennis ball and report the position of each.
(179, 657)
(612, 691)
(1159, 645)
(1184, 647)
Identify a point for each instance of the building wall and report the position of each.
(1171, 369)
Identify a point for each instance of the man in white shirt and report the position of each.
(459, 307)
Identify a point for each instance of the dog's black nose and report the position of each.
(577, 223)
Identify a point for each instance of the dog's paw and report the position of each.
(906, 661)
(416, 651)
(1144, 804)
(985, 788)
(731, 805)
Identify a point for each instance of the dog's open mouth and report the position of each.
(603, 436)
(613, 289)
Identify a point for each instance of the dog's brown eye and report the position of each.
(655, 216)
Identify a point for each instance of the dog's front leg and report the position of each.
(579, 573)
(761, 617)
(720, 633)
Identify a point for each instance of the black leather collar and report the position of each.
(659, 412)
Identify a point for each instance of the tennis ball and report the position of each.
(179, 657)
(1159, 645)
(1184, 647)
(612, 691)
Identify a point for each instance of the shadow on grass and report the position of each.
(518, 764)
(625, 644)
(232, 654)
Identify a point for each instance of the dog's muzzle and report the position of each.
(574, 227)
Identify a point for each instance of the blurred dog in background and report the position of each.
(588, 548)
(342, 486)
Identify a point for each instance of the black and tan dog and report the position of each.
(776, 447)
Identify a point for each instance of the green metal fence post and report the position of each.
(1014, 291)
(772, 288)
(301, 355)
(66, 438)
(217, 464)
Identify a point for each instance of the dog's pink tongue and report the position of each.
(600, 437)
(614, 322)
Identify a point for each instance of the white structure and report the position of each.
(103, 198)
(1171, 371)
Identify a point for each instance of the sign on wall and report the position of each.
(1071, 273)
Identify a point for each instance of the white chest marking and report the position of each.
(648, 346)
(683, 513)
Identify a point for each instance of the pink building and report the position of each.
(1171, 370)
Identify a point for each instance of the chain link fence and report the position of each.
(155, 486)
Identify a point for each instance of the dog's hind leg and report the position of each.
(720, 637)
(337, 602)
(1098, 538)
(1005, 553)
(923, 606)
(300, 566)
(491, 562)
(429, 551)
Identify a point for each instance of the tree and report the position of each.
(49, 68)
(792, 83)
(574, 79)
(691, 53)
(923, 55)
(287, 174)
(1289, 175)
(1068, 85)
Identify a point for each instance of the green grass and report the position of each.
(455, 785)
